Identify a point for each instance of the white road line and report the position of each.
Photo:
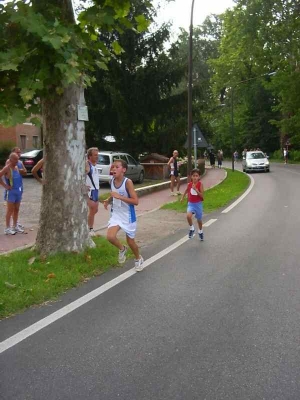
(34, 328)
(240, 198)
(210, 222)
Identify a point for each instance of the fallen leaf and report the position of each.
(52, 275)
(9, 285)
(31, 260)
(88, 258)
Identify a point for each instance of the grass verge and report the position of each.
(26, 279)
(233, 186)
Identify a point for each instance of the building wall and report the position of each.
(8, 134)
(28, 136)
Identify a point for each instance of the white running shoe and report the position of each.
(122, 255)
(9, 231)
(139, 264)
(20, 225)
(18, 229)
(92, 232)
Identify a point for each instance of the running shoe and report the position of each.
(122, 255)
(201, 237)
(18, 229)
(139, 264)
(20, 225)
(9, 231)
(191, 233)
(92, 232)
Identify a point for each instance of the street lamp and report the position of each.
(190, 93)
(232, 119)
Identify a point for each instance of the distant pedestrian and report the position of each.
(174, 173)
(220, 158)
(92, 182)
(244, 154)
(195, 193)
(212, 159)
(124, 198)
(14, 190)
(285, 155)
(235, 156)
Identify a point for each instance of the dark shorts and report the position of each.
(94, 195)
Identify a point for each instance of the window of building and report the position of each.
(35, 141)
(23, 141)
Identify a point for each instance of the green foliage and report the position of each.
(42, 50)
(5, 149)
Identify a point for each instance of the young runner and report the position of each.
(174, 173)
(195, 192)
(124, 198)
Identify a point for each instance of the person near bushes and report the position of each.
(14, 190)
(174, 173)
(36, 171)
(195, 193)
(285, 155)
(220, 158)
(212, 159)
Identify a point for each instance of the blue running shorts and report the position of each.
(14, 196)
(94, 195)
(195, 208)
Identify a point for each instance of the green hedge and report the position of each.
(183, 168)
(5, 149)
(293, 155)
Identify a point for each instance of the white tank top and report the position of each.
(124, 212)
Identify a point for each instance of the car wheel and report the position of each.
(268, 170)
(141, 177)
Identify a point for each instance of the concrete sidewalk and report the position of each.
(147, 203)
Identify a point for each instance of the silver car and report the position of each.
(135, 170)
(255, 161)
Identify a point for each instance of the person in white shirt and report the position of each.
(92, 182)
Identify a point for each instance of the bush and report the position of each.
(294, 155)
(201, 167)
(277, 155)
(5, 149)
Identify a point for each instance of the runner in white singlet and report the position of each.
(92, 183)
(123, 198)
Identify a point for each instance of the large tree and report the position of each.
(45, 62)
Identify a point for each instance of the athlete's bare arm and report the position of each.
(5, 172)
(35, 170)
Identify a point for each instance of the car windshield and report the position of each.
(255, 156)
(31, 153)
(103, 159)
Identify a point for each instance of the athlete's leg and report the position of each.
(178, 183)
(189, 217)
(133, 246)
(172, 183)
(199, 224)
(112, 237)
(9, 213)
(16, 214)
(93, 209)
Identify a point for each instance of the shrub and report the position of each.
(5, 149)
(277, 154)
(294, 155)
(201, 167)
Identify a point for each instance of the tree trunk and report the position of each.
(63, 219)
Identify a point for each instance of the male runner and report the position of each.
(92, 182)
(174, 173)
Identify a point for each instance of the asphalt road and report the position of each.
(217, 319)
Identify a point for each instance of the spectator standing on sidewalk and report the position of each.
(124, 198)
(195, 192)
(22, 171)
(92, 182)
(174, 173)
(14, 190)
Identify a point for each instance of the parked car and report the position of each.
(255, 161)
(135, 170)
(31, 158)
